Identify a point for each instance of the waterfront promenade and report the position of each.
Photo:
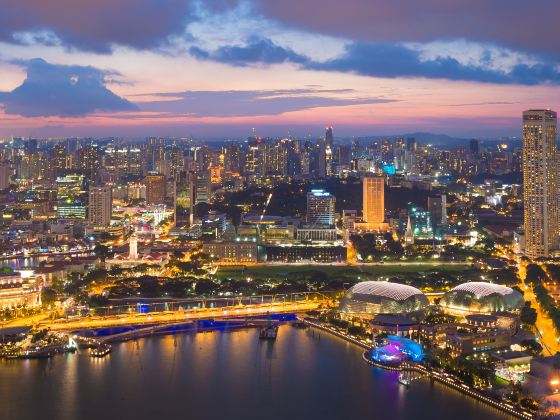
(433, 375)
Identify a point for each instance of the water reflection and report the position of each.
(223, 375)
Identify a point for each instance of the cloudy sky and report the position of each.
(216, 68)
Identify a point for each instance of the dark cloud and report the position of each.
(250, 102)
(383, 60)
(59, 90)
(95, 25)
(521, 25)
(257, 50)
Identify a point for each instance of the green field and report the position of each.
(366, 271)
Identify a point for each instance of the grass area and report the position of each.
(366, 271)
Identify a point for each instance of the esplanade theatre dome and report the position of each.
(369, 298)
(481, 297)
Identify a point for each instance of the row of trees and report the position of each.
(537, 278)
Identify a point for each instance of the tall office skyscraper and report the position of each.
(540, 182)
(155, 189)
(374, 200)
(437, 206)
(320, 207)
(329, 137)
(100, 206)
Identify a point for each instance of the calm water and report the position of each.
(223, 375)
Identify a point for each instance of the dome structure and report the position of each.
(369, 298)
(481, 297)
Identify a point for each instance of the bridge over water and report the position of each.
(177, 312)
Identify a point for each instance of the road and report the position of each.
(184, 315)
(27, 321)
(545, 328)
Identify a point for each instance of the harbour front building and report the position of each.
(17, 292)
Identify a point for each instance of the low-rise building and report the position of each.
(465, 342)
(17, 292)
(232, 252)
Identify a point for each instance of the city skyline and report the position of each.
(229, 208)
(219, 69)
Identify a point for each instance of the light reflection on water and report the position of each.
(217, 375)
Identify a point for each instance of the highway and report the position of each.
(545, 328)
(134, 318)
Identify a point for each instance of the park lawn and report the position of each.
(334, 270)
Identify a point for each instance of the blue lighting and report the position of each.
(389, 169)
(397, 350)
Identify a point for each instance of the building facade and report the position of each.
(155, 189)
(100, 206)
(320, 208)
(540, 182)
(374, 200)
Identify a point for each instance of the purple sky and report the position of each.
(222, 67)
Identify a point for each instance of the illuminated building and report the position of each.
(100, 205)
(18, 292)
(297, 252)
(540, 183)
(320, 208)
(71, 196)
(216, 174)
(316, 233)
(155, 189)
(463, 342)
(374, 201)
(437, 206)
(231, 252)
(512, 365)
(421, 223)
(5, 175)
(481, 297)
(369, 298)
(397, 349)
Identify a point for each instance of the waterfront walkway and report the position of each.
(433, 375)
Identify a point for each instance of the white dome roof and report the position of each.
(482, 289)
(393, 291)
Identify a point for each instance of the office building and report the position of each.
(155, 189)
(437, 206)
(540, 182)
(320, 208)
(5, 175)
(374, 200)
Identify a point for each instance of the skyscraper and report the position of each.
(155, 189)
(329, 137)
(437, 206)
(5, 175)
(540, 182)
(374, 200)
(320, 207)
(100, 205)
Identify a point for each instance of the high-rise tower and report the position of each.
(540, 182)
(100, 205)
(374, 200)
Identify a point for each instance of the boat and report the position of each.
(300, 324)
(101, 350)
(269, 332)
(403, 380)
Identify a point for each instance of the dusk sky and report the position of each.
(218, 68)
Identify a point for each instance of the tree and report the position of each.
(528, 314)
(48, 296)
(101, 251)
